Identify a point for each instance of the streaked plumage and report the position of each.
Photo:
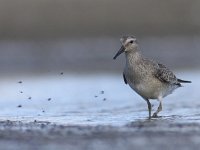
(148, 78)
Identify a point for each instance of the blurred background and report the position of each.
(82, 36)
(56, 66)
(56, 55)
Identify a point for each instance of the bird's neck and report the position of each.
(133, 57)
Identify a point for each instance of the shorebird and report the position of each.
(148, 78)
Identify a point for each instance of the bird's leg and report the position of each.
(155, 115)
(149, 108)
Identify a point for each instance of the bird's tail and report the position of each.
(183, 81)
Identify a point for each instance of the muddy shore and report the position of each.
(86, 121)
(154, 134)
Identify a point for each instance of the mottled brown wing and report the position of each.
(165, 75)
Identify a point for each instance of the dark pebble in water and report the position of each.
(20, 82)
(104, 99)
(21, 91)
(43, 111)
(30, 98)
(19, 106)
(102, 92)
(49, 99)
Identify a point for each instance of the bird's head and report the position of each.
(129, 43)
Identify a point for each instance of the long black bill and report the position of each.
(121, 50)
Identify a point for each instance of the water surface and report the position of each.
(95, 99)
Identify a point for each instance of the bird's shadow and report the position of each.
(153, 122)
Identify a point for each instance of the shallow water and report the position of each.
(79, 100)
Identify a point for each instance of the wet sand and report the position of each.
(102, 116)
(154, 134)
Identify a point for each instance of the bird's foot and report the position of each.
(155, 115)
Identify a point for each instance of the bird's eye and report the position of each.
(131, 41)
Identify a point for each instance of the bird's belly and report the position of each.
(149, 90)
